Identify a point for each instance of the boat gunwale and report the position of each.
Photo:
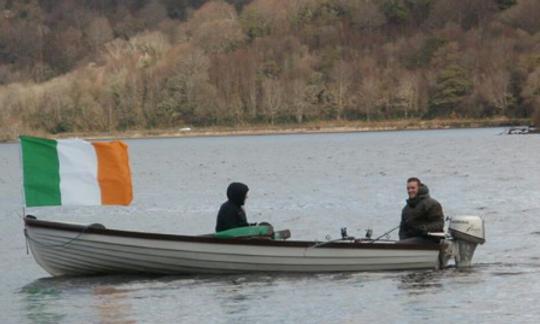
(79, 228)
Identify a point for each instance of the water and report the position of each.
(313, 185)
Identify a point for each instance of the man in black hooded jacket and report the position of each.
(421, 215)
(231, 214)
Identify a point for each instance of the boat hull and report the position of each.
(68, 249)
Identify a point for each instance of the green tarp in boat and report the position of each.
(245, 232)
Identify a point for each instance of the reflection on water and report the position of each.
(46, 300)
(37, 299)
(112, 304)
(260, 297)
(420, 282)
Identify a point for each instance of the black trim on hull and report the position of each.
(31, 222)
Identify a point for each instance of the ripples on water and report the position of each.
(312, 184)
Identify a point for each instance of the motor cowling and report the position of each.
(467, 228)
(466, 232)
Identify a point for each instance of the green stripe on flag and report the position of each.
(41, 171)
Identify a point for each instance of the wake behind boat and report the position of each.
(74, 249)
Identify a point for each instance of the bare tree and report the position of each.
(342, 76)
(494, 88)
(369, 92)
(408, 92)
(216, 16)
(531, 93)
(273, 98)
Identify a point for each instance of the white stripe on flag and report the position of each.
(78, 173)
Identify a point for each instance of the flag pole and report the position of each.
(23, 196)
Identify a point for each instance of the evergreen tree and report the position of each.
(452, 86)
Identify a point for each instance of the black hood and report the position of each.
(236, 192)
(423, 191)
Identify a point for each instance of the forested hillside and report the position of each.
(102, 65)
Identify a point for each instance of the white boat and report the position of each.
(67, 249)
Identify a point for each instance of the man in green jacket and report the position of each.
(421, 215)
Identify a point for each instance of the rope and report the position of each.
(29, 238)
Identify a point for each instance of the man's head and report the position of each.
(237, 193)
(413, 185)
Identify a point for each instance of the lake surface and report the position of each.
(313, 185)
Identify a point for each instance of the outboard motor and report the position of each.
(466, 233)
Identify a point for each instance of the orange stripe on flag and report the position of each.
(114, 175)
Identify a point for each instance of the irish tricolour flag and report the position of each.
(75, 172)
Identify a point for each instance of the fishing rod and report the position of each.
(385, 234)
(345, 237)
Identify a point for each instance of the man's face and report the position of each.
(412, 189)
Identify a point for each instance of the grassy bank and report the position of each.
(312, 127)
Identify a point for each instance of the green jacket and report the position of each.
(421, 215)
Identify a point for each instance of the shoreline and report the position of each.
(289, 129)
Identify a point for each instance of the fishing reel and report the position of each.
(344, 235)
(369, 233)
